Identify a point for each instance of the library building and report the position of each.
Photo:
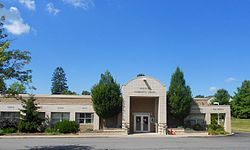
(144, 109)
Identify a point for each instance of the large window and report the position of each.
(10, 115)
(59, 116)
(85, 118)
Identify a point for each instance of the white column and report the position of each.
(162, 115)
(227, 123)
(96, 122)
(208, 118)
(126, 113)
(72, 116)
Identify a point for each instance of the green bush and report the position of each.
(28, 127)
(89, 130)
(197, 127)
(1, 132)
(215, 129)
(10, 130)
(66, 126)
(51, 131)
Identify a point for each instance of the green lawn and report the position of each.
(240, 125)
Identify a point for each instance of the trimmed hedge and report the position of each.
(66, 127)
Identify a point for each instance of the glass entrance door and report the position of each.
(141, 123)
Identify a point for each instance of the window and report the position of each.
(85, 118)
(10, 115)
(41, 115)
(59, 116)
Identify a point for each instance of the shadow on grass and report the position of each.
(62, 147)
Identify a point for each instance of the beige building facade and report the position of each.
(144, 108)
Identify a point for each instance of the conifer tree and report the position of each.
(30, 120)
(59, 81)
(241, 101)
(179, 97)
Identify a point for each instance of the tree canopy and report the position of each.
(179, 97)
(222, 96)
(69, 92)
(199, 96)
(12, 62)
(59, 81)
(106, 96)
(241, 101)
(16, 88)
(84, 92)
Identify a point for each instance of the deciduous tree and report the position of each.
(222, 96)
(12, 62)
(106, 96)
(86, 93)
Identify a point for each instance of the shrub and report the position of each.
(66, 126)
(51, 131)
(89, 130)
(10, 130)
(197, 127)
(27, 127)
(215, 129)
(1, 132)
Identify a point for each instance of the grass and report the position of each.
(240, 125)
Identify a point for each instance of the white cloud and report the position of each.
(14, 22)
(85, 4)
(230, 79)
(51, 9)
(213, 89)
(30, 4)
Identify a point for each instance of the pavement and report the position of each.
(239, 141)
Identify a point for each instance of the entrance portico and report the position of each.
(144, 106)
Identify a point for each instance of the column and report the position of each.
(208, 118)
(96, 122)
(162, 115)
(227, 124)
(126, 113)
(72, 116)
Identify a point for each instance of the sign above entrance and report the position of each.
(145, 92)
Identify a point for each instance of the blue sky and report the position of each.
(208, 40)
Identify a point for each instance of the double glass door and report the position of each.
(141, 123)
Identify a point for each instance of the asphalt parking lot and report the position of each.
(236, 142)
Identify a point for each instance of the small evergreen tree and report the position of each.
(222, 96)
(59, 81)
(179, 97)
(241, 101)
(30, 120)
(106, 96)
